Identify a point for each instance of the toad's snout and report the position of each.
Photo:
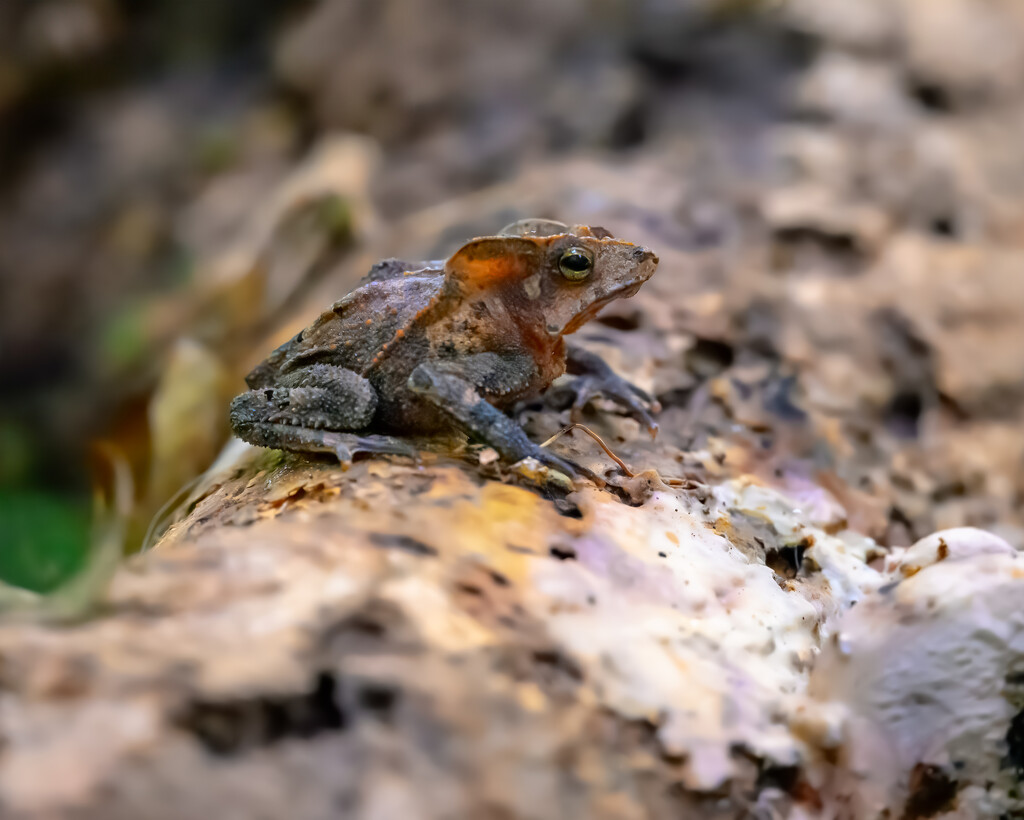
(642, 255)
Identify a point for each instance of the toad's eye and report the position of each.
(576, 264)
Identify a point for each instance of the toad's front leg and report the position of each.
(459, 396)
(595, 378)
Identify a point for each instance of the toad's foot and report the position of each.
(595, 378)
(344, 446)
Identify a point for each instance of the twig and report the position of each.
(671, 482)
(595, 437)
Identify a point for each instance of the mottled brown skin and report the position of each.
(425, 347)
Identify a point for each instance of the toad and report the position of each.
(420, 348)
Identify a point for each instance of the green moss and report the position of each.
(124, 339)
(44, 538)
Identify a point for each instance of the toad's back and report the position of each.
(356, 328)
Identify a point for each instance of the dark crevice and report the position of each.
(567, 508)
(903, 415)
(676, 397)
(900, 524)
(908, 359)
(378, 700)
(783, 778)
(1014, 758)
(557, 664)
(780, 399)
(931, 96)
(944, 226)
(932, 792)
(231, 727)
(377, 626)
(786, 561)
(844, 248)
(709, 357)
(556, 673)
(405, 543)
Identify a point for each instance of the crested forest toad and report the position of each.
(427, 346)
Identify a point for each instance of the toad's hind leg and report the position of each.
(342, 446)
(310, 411)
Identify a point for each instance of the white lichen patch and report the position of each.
(928, 670)
(683, 628)
(850, 670)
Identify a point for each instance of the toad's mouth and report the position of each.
(595, 307)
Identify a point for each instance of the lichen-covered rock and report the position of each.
(400, 636)
(799, 601)
(927, 671)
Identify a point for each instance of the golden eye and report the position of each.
(576, 264)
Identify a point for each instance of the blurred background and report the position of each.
(836, 190)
